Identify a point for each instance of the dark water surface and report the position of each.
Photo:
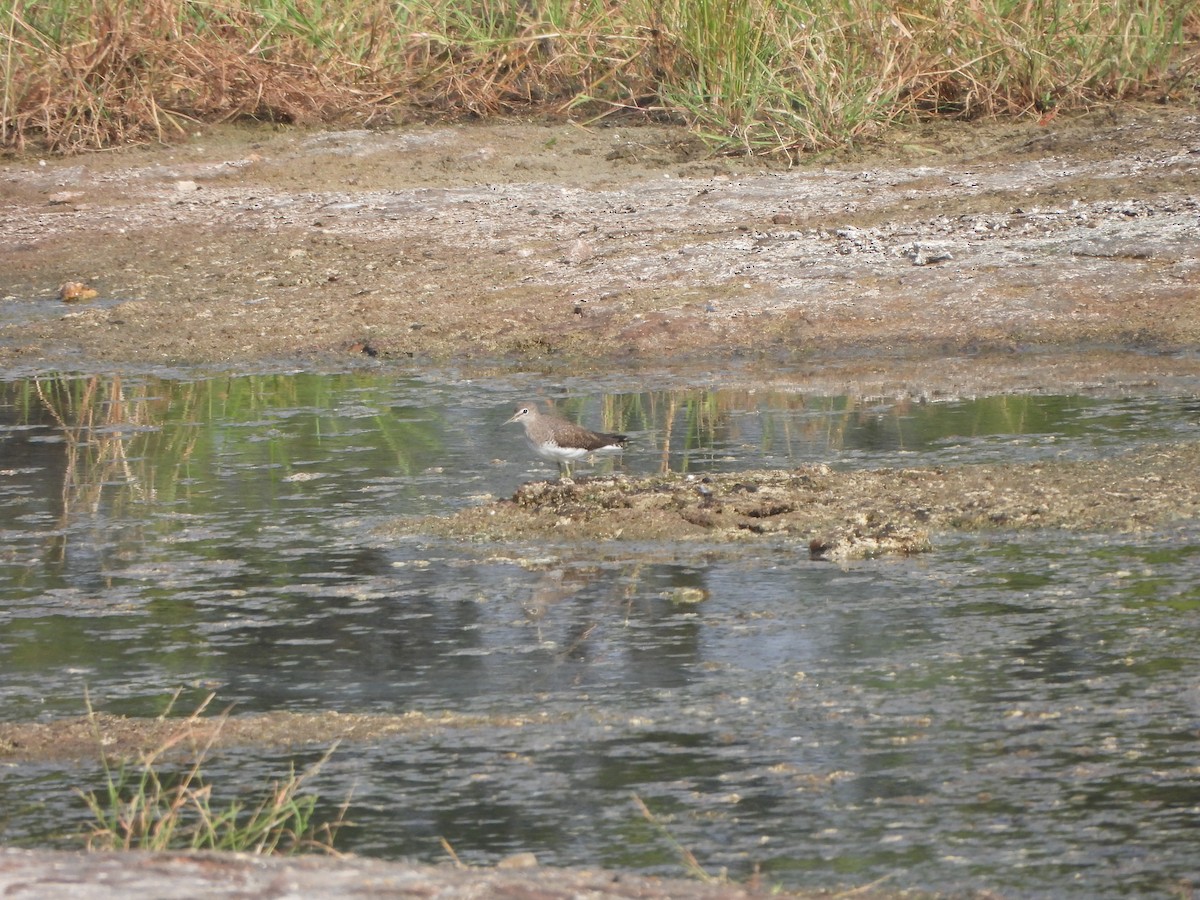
(1015, 712)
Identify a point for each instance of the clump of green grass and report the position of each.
(753, 75)
(153, 805)
(770, 76)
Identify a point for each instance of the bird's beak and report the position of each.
(510, 419)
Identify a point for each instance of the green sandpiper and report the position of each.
(554, 438)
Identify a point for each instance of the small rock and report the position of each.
(63, 198)
(76, 292)
(518, 861)
(580, 251)
(928, 254)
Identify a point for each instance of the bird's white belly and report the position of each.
(558, 454)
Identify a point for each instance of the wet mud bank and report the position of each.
(47, 874)
(605, 246)
(845, 515)
(128, 738)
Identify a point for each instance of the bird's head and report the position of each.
(524, 412)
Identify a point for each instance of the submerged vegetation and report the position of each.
(781, 76)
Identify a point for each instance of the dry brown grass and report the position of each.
(136, 72)
(759, 75)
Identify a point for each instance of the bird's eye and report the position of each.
(525, 411)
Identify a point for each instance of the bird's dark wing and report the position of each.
(601, 439)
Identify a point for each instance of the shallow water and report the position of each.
(1016, 712)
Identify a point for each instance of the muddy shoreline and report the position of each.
(44, 874)
(554, 245)
(843, 515)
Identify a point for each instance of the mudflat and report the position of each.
(617, 245)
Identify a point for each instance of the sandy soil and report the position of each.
(608, 246)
